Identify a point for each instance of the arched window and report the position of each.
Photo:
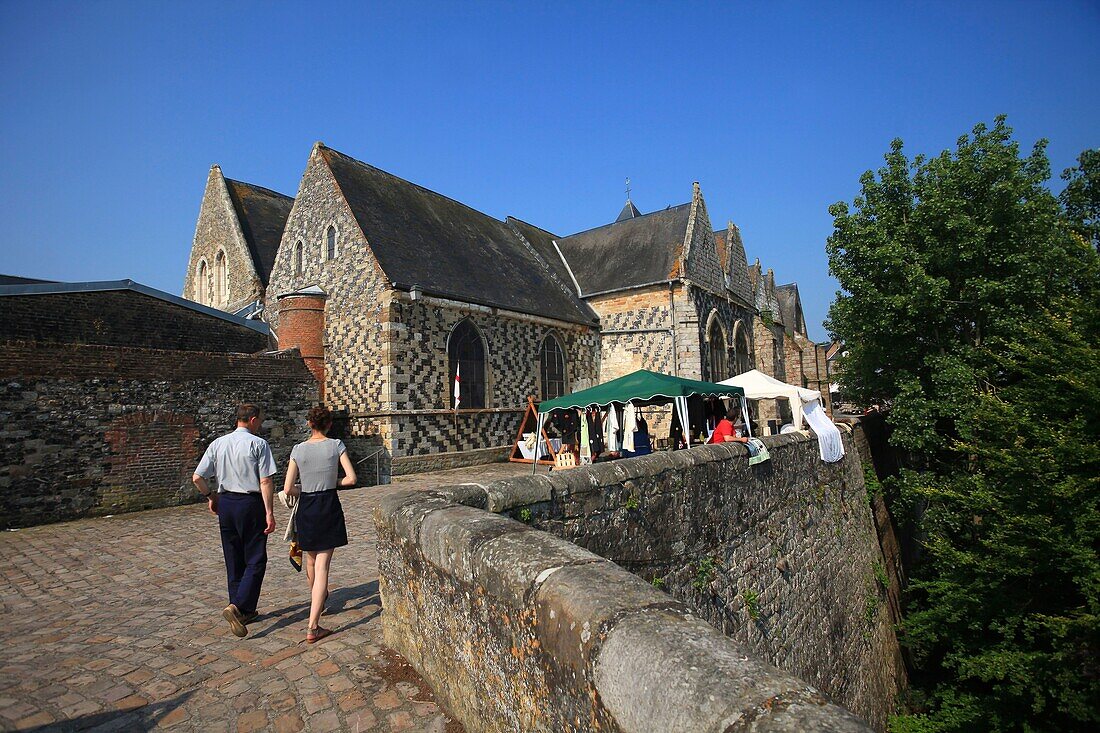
(466, 350)
(220, 294)
(330, 243)
(552, 368)
(201, 293)
(742, 356)
(298, 258)
(717, 351)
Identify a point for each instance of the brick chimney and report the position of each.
(302, 326)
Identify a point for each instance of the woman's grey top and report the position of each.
(318, 463)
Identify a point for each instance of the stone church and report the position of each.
(388, 289)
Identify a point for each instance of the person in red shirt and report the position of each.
(728, 429)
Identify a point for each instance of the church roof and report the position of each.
(790, 307)
(634, 252)
(543, 243)
(447, 248)
(629, 211)
(262, 214)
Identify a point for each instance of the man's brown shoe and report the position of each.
(236, 621)
(249, 617)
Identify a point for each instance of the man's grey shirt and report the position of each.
(239, 460)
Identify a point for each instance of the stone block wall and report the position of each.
(783, 557)
(121, 318)
(729, 315)
(356, 334)
(95, 430)
(515, 629)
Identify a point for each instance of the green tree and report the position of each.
(970, 308)
(1081, 196)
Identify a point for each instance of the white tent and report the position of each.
(759, 386)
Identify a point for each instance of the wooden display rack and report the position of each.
(531, 415)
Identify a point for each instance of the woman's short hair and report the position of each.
(320, 418)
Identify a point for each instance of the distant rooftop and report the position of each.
(45, 287)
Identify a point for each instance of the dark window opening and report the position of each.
(552, 368)
(465, 351)
(717, 352)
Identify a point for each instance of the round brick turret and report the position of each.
(302, 327)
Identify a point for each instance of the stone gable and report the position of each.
(219, 230)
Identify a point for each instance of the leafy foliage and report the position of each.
(971, 308)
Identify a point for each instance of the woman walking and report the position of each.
(320, 517)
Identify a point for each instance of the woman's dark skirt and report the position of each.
(320, 521)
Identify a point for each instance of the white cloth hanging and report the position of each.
(682, 408)
(611, 429)
(630, 425)
(829, 442)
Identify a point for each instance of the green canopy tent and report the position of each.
(642, 388)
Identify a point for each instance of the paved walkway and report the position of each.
(115, 624)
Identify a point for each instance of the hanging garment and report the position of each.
(565, 422)
(758, 452)
(630, 425)
(611, 430)
(586, 448)
(595, 431)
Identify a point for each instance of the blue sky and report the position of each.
(113, 112)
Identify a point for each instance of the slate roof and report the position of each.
(543, 243)
(263, 214)
(450, 250)
(629, 211)
(630, 253)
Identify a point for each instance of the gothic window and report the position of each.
(742, 357)
(717, 351)
(221, 295)
(552, 368)
(466, 350)
(201, 294)
(330, 243)
(298, 258)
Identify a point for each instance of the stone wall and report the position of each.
(218, 229)
(782, 557)
(634, 331)
(516, 629)
(356, 337)
(95, 430)
(121, 318)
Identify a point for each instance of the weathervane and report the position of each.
(628, 189)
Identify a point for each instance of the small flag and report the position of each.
(458, 395)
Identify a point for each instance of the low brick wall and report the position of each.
(783, 557)
(95, 430)
(516, 629)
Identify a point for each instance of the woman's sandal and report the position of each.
(313, 635)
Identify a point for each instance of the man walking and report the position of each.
(244, 505)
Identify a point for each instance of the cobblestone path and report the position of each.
(115, 624)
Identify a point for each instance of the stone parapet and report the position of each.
(516, 629)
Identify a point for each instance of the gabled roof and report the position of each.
(630, 211)
(100, 286)
(631, 253)
(420, 237)
(262, 214)
(790, 307)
